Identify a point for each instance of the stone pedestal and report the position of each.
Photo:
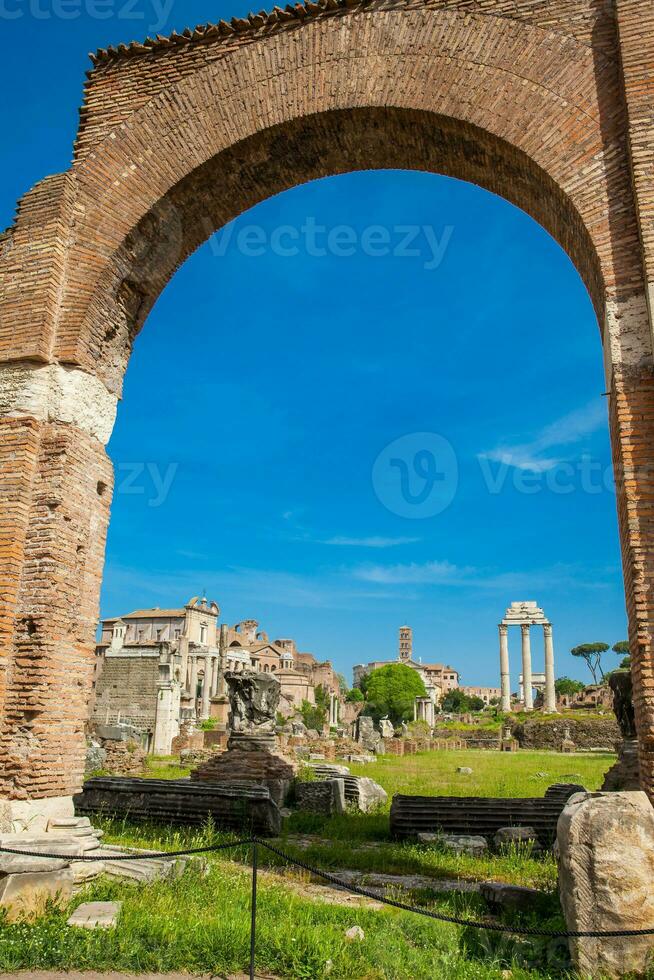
(219, 709)
(508, 743)
(625, 774)
(606, 868)
(251, 759)
(567, 745)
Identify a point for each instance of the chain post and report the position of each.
(253, 909)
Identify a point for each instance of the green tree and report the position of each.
(622, 649)
(391, 690)
(342, 683)
(458, 702)
(322, 697)
(565, 685)
(354, 695)
(592, 654)
(363, 684)
(313, 716)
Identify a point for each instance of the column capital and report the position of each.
(503, 628)
(547, 629)
(525, 627)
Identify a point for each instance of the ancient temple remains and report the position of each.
(525, 615)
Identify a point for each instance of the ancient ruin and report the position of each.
(525, 615)
(252, 751)
(547, 105)
(625, 774)
(161, 671)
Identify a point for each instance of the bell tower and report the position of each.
(405, 651)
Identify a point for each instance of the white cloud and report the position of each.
(371, 542)
(428, 573)
(444, 573)
(565, 431)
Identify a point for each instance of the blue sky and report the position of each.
(373, 399)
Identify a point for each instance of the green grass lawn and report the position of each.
(493, 773)
(200, 923)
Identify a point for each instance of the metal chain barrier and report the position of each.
(256, 842)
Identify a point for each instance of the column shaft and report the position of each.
(550, 693)
(207, 681)
(526, 669)
(193, 685)
(505, 673)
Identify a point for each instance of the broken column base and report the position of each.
(605, 844)
(625, 774)
(33, 815)
(246, 761)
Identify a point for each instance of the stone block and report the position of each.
(95, 915)
(370, 793)
(19, 864)
(33, 815)
(514, 836)
(24, 889)
(514, 897)
(326, 797)
(605, 844)
(465, 844)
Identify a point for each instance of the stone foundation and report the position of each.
(251, 766)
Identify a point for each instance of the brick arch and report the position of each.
(543, 103)
(522, 96)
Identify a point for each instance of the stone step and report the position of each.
(95, 915)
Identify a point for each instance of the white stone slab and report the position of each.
(95, 915)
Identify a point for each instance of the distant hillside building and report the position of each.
(487, 694)
(156, 668)
(438, 678)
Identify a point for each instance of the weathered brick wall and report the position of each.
(127, 691)
(546, 102)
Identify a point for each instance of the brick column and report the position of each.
(632, 428)
(55, 483)
(632, 384)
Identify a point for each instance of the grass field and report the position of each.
(200, 923)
